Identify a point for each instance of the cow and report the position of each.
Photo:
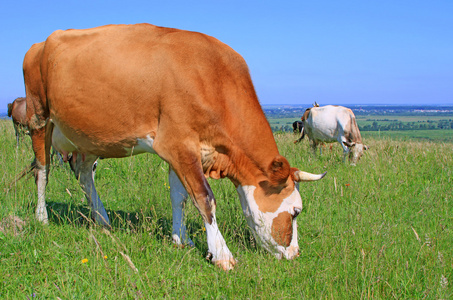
(297, 126)
(331, 123)
(17, 111)
(121, 90)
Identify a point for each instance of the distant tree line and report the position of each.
(282, 128)
(399, 126)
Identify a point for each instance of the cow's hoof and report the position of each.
(41, 216)
(226, 265)
(182, 243)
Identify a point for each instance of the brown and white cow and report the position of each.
(18, 113)
(331, 123)
(121, 90)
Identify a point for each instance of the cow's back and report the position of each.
(110, 85)
(328, 123)
(322, 124)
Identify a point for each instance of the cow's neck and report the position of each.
(243, 164)
(241, 150)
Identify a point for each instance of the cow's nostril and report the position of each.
(297, 211)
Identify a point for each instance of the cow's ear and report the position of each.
(300, 176)
(278, 171)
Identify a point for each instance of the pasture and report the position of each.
(382, 230)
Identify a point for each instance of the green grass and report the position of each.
(381, 230)
(435, 135)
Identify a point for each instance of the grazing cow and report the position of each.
(17, 111)
(120, 90)
(297, 126)
(333, 123)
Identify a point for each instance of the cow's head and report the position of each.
(355, 151)
(271, 207)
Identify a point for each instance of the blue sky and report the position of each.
(333, 52)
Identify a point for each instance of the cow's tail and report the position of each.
(48, 142)
(33, 166)
(26, 171)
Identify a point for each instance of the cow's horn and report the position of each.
(305, 176)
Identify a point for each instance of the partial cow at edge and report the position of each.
(297, 126)
(17, 110)
(332, 123)
(302, 120)
(120, 90)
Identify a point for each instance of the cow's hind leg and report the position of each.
(178, 196)
(17, 135)
(41, 170)
(84, 168)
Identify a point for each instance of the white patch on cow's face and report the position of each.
(261, 223)
(356, 153)
(143, 146)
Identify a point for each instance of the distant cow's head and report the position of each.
(356, 151)
(271, 207)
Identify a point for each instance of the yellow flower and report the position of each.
(105, 256)
(84, 261)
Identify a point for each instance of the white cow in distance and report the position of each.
(332, 123)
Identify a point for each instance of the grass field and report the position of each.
(412, 135)
(380, 230)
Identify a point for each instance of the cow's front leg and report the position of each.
(314, 145)
(178, 195)
(217, 248)
(194, 181)
(84, 170)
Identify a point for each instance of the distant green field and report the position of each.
(282, 121)
(361, 118)
(429, 135)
